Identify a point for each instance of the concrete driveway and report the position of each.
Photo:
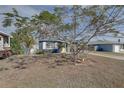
(117, 56)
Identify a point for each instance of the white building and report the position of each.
(54, 45)
(51, 45)
(4, 41)
(108, 46)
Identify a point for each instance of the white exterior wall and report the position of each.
(35, 46)
(56, 45)
(34, 49)
(44, 45)
(9, 42)
(1, 43)
(116, 48)
(121, 50)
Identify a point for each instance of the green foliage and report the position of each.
(22, 40)
(83, 24)
(15, 12)
(26, 39)
(9, 18)
(15, 44)
(45, 17)
(25, 36)
(45, 24)
(7, 22)
(13, 18)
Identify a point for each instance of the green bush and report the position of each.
(16, 47)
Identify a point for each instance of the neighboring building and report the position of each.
(52, 45)
(56, 46)
(107, 46)
(4, 41)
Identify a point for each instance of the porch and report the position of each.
(4, 42)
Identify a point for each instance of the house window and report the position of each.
(6, 40)
(50, 45)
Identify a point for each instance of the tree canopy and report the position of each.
(76, 25)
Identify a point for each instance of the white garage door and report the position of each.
(116, 48)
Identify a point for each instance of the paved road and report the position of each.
(118, 57)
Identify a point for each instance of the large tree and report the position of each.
(76, 25)
(88, 22)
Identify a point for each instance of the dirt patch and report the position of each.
(55, 71)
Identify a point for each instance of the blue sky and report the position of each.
(24, 11)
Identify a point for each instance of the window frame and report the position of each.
(50, 45)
